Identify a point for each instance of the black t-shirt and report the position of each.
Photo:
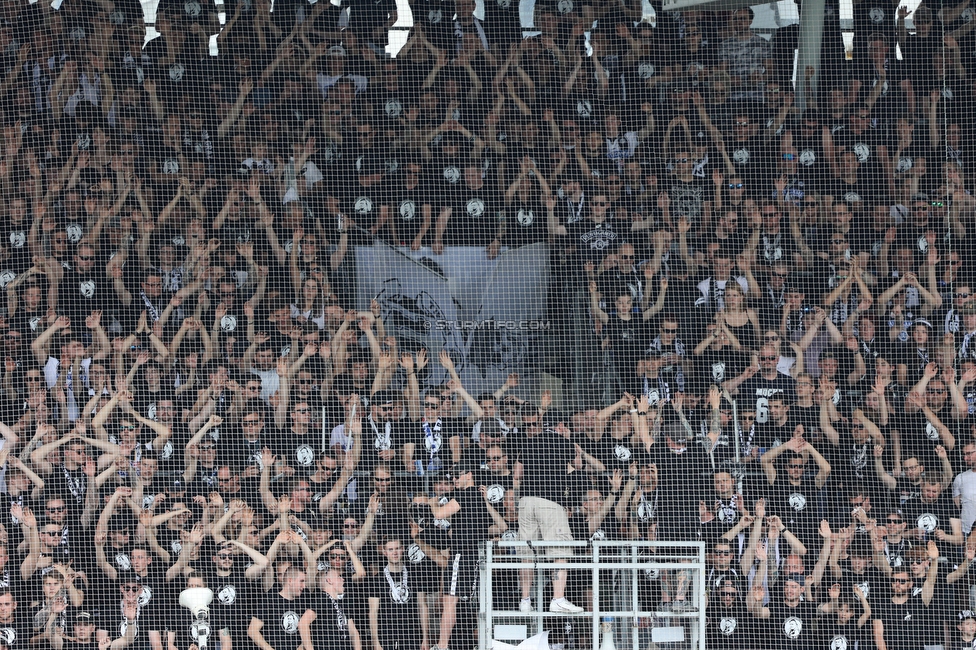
(813, 167)
(233, 594)
(679, 475)
(931, 516)
(296, 450)
(750, 158)
(627, 340)
(280, 617)
(865, 147)
(717, 366)
(407, 206)
(919, 436)
(757, 389)
(900, 622)
(502, 22)
(15, 235)
(399, 617)
(525, 223)
(730, 628)
(833, 636)
(430, 440)
(790, 627)
(545, 458)
(17, 633)
(330, 631)
(362, 203)
(148, 618)
(871, 582)
(474, 216)
(796, 505)
(79, 295)
(379, 436)
(688, 198)
(770, 434)
(593, 241)
(469, 526)
(498, 485)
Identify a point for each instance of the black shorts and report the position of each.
(461, 576)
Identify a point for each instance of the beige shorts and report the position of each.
(541, 519)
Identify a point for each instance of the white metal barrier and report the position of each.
(615, 570)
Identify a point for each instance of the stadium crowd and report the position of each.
(782, 300)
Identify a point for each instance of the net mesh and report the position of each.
(308, 301)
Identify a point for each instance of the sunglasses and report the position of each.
(735, 186)
(789, 156)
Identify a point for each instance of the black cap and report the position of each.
(794, 577)
(84, 616)
(125, 577)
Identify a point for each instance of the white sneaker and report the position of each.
(561, 605)
(526, 605)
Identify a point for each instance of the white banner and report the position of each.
(486, 313)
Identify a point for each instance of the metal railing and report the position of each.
(615, 571)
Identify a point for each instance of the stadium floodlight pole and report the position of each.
(808, 54)
(149, 8)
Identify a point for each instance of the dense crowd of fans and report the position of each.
(782, 300)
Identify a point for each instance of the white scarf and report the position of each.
(399, 591)
(382, 441)
(433, 443)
